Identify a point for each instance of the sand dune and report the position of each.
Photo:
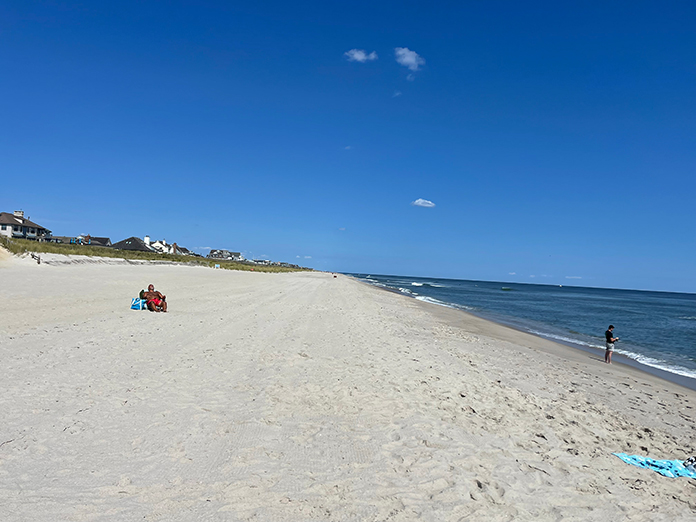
(306, 397)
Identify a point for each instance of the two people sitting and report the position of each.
(155, 301)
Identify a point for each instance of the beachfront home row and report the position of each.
(82, 240)
(15, 225)
(147, 245)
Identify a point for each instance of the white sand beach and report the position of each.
(304, 397)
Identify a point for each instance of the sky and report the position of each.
(535, 142)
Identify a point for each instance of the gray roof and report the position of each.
(132, 243)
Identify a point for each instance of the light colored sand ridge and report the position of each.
(308, 397)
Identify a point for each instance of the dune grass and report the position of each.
(23, 246)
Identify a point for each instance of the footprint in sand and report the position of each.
(490, 492)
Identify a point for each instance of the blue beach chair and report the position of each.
(138, 304)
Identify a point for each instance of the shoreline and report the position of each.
(304, 396)
(665, 375)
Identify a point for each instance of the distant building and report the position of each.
(82, 240)
(225, 254)
(133, 243)
(16, 226)
(161, 246)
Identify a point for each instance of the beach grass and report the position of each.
(24, 246)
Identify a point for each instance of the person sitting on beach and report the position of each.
(156, 301)
(610, 343)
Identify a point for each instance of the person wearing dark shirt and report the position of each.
(610, 343)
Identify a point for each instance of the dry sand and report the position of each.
(298, 397)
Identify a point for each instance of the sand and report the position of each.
(304, 397)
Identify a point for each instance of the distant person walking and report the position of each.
(610, 343)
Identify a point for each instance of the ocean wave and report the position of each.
(406, 291)
(659, 364)
(566, 339)
(416, 284)
(642, 359)
(442, 303)
(689, 318)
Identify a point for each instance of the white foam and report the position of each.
(442, 303)
(642, 359)
(660, 365)
(566, 339)
(689, 317)
(417, 284)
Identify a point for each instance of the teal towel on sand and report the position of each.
(668, 468)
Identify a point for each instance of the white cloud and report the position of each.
(410, 77)
(532, 276)
(512, 273)
(359, 55)
(408, 58)
(342, 229)
(347, 147)
(308, 257)
(420, 202)
(396, 94)
(297, 256)
(573, 277)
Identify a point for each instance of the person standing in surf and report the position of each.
(610, 343)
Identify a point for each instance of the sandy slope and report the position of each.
(306, 397)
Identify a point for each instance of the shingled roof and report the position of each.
(10, 219)
(132, 243)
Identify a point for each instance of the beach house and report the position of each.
(225, 254)
(162, 247)
(87, 240)
(133, 243)
(15, 225)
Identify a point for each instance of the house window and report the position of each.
(4, 227)
(15, 228)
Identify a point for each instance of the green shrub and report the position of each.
(21, 246)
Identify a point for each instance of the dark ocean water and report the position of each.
(657, 329)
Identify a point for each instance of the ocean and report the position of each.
(656, 329)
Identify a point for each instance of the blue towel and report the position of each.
(668, 468)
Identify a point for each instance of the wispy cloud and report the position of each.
(532, 276)
(342, 229)
(420, 202)
(202, 248)
(512, 273)
(573, 277)
(308, 257)
(359, 55)
(396, 94)
(408, 58)
(347, 147)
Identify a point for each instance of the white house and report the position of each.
(15, 225)
(161, 246)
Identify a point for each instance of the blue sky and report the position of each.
(556, 140)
